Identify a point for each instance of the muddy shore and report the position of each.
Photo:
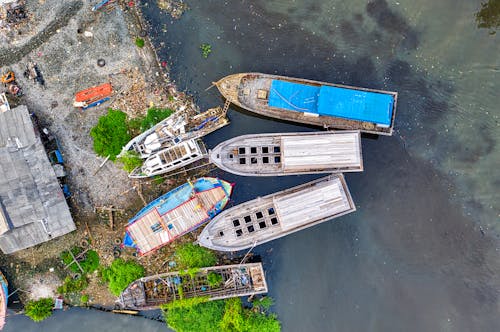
(65, 40)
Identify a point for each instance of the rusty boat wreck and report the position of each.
(311, 102)
(290, 153)
(273, 216)
(214, 283)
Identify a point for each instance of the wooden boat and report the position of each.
(93, 96)
(290, 153)
(170, 159)
(279, 214)
(235, 280)
(311, 102)
(176, 213)
(4, 294)
(178, 127)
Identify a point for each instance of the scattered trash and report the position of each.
(88, 34)
(9, 80)
(102, 4)
(33, 72)
(4, 103)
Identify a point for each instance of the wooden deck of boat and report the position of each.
(153, 230)
(251, 91)
(237, 280)
(273, 216)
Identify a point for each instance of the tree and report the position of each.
(233, 319)
(120, 274)
(39, 310)
(110, 134)
(190, 255)
(200, 317)
(153, 116)
(489, 15)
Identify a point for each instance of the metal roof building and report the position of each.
(32, 205)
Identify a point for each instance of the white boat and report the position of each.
(170, 159)
(290, 153)
(273, 216)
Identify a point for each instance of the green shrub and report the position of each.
(153, 116)
(185, 303)
(191, 255)
(201, 317)
(206, 49)
(130, 160)
(39, 310)
(89, 264)
(110, 134)
(84, 299)
(264, 303)
(233, 319)
(139, 42)
(214, 279)
(120, 274)
(71, 285)
(489, 15)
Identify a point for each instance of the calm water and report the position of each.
(413, 256)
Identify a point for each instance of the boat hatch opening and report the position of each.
(270, 211)
(274, 221)
(236, 223)
(262, 224)
(242, 161)
(253, 150)
(221, 233)
(250, 229)
(247, 219)
(277, 159)
(239, 232)
(265, 160)
(259, 215)
(241, 150)
(265, 149)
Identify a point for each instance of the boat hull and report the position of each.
(281, 154)
(273, 216)
(243, 90)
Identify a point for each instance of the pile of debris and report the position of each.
(12, 12)
(9, 81)
(174, 8)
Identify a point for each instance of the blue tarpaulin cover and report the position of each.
(293, 96)
(332, 101)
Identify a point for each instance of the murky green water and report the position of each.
(413, 257)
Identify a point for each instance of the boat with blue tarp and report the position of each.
(4, 294)
(176, 213)
(312, 102)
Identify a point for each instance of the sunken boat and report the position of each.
(311, 102)
(170, 159)
(214, 283)
(4, 294)
(273, 216)
(176, 213)
(290, 153)
(180, 126)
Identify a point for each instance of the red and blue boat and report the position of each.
(176, 213)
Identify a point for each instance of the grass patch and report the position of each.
(214, 279)
(71, 285)
(153, 116)
(130, 160)
(89, 264)
(110, 134)
(190, 256)
(39, 310)
(120, 274)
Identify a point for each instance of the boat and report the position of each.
(93, 96)
(290, 153)
(176, 213)
(273, 216)
(4, 294)
(170, 159)
(178, 127)
(233, 281)
(311, 102)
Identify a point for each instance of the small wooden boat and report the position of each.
(311, 102)
(176, 213)
(290, 153)
(4, 294)
(273, 216)
(170, 159)
(93, 96)
(233, 280)
(178, 127)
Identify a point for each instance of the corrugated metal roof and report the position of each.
(32, 199)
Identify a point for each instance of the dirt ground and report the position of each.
(66, 39)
